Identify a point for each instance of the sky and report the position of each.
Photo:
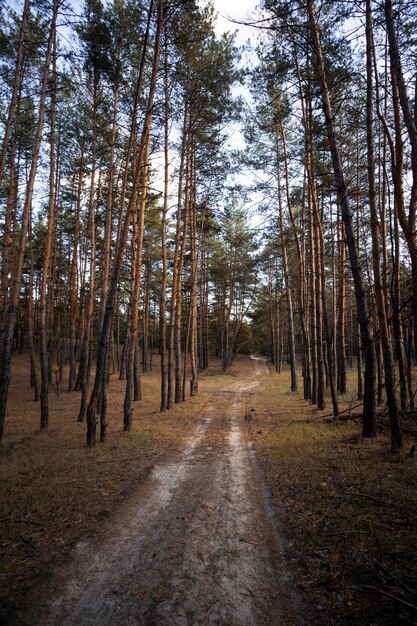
(229, 11)
(239, 10)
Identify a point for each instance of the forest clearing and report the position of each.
(208, 312)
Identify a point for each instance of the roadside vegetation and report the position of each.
(346, 505)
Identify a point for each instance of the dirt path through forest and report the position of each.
(196, 546)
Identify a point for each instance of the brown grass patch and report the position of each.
(348, 507)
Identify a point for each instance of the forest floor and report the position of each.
(244, 505)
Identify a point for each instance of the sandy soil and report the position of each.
(197, 545)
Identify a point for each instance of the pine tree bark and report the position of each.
(162, 302)
(85, 359)
(389, 368)
(302, 270)
(327, 331)
(175, 272)
(178, 286)
(193, 297)
(313, 307)
(46, 269)
(107, 260)
(33, 373)
(135, 299)
(73, 279)
(369, 424)
(341, 335)
(290, 313)
(9, 220)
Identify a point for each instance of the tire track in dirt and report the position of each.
(196, 547)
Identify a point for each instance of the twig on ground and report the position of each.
(394, 577)
(344, 533)
(373, 498)
(318, 417)
(22, 521)
(409, 605)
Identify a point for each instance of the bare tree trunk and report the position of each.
(302, 269)
(369, 425)
(107, 261)
(396, 149)
(73, 282)
(146, 321)
(136, 288)
(291, 331)
(86, 348)
(331, 369)
(33, 373)
(193, 298)
(321, 401)
(180, 267)
(175, 274)
(389, 368)
(46, 269)
(186, 350)
(341, 353)
(313, 308)
(142, 170)
(9, 220)
(162, 303)
(137, 389)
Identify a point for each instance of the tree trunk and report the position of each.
(291, 331)
(175, 274)
(369, 425)
(178, 298)
(389, 368)
(33, 373)
(107, 261)
(341, 353)
(135, 299)
(327, 332)
(46, 269)
(193, 299)
(162, 302)
(86, 348)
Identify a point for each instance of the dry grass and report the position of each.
(53, 490)
(348, 508)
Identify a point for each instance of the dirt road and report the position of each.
(196, 546)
